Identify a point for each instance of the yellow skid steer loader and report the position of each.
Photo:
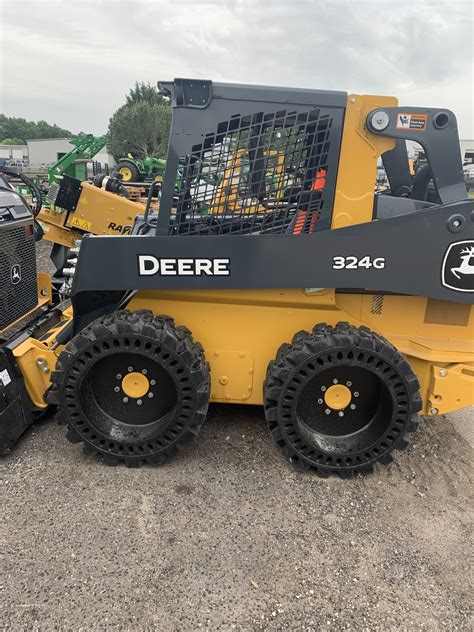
(344, 313)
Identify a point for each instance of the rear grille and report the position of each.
(18, 284)
(258, 174)
(52, 193)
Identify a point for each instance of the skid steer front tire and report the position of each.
(133, 388)
(340, 399)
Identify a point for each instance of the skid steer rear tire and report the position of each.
(133, 388)
(340, 399)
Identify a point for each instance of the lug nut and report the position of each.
(153, 382)
(327, 411)
(117, 389)
(323, 388)
(341, 413)
(335, 381)
(352, 406)
(144, 371)
(139, 402)
(125, 400)
(349, 384)
(119, 376)
(320, 401)
(130, 369)
(150, 395)
(356, 394)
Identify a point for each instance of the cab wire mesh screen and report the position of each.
(263, 173)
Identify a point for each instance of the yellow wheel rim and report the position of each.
(126, 173)
(135, 385)
(337, 397)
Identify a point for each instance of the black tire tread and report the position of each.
(162, 328)
(322, 338)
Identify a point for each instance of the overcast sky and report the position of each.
(71, 62)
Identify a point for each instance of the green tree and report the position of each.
(141, 126)
(12, 141)
(12, 127)
(145, 92)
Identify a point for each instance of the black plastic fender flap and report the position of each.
(15, 412)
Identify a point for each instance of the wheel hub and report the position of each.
(337, 397)
(135, 385)
(126, 173)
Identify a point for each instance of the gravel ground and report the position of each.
(229, 536)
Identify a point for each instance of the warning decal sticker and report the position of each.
(412, 121)
(5, 378)
(81, 223)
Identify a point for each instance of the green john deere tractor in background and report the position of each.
(133, 170)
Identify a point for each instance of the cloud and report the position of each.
(73, 62)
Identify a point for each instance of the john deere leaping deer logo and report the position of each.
(458, 266)
(467, 265)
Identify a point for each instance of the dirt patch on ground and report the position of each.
(229, 535)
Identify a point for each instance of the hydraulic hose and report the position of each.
(34, 189)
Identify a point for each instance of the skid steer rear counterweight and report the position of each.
(343, 311)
